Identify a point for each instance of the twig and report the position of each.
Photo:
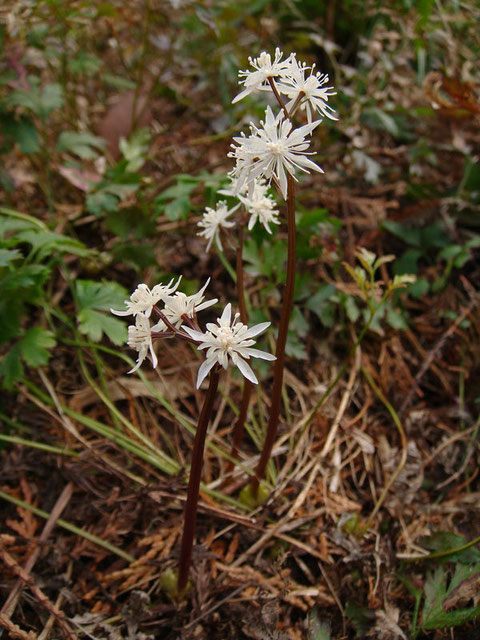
(43, 599)
(62, 501)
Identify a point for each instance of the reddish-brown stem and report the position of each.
(273, 86)
(194, 482)
(281, 341)
(247, 385)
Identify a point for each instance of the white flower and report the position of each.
(233, 190)
(271, 150)
(140, 339)
(180, 305)
(229, 339)
(143, 299)
(213, 220)
(264, 69)
(312, 86)
(261, 206)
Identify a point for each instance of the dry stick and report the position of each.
(194, 482)
(247, 385)
(64, 498)
(281, 341)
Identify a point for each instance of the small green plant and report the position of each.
(448, 596)
(31, 258)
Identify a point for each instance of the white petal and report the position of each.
(206, 304)
(204, 371)
(256, 353)
(121, 313)
(256, 330)
(198, 336)
(246, 370)
(226, 315)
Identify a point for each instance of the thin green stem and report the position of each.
(281, 341)
(194, 483)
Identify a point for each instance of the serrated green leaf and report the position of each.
(101, 202)
(83, 144)
(34, 346)
(94, 324)
(23, 132)
(7, 256)
(41, 101)
(99, 295)
(11, 368)
(25, 277)
(44, 243)
(436, 591)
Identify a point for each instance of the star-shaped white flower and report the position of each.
(229, 340)
(215, 219)
(179, 306)
(140, 339)
(143, 299)
(260, 205)
(311, 86)
(271, 151)
(264, 69)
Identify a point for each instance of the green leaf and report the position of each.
(436, 591)
(99, 295)
(44, 243)
(396, 319)
(312, 218)
(41, 101)
(23, 131)
(101, 202)
(84, 144)
(135, 149)
(410, 235)
(419, 288)
(9, 255)
(179, 196)
(93, 297)
(26, 276)
(34, 346)
(320, 303)
(11, 367)
(94, 324)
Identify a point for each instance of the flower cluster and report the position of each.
(176, 309)
(292, 80)
(227, 341)
(215, 219)
(275, 148)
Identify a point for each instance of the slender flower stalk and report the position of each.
(247, 385)
(272, 426)
(191, 505)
